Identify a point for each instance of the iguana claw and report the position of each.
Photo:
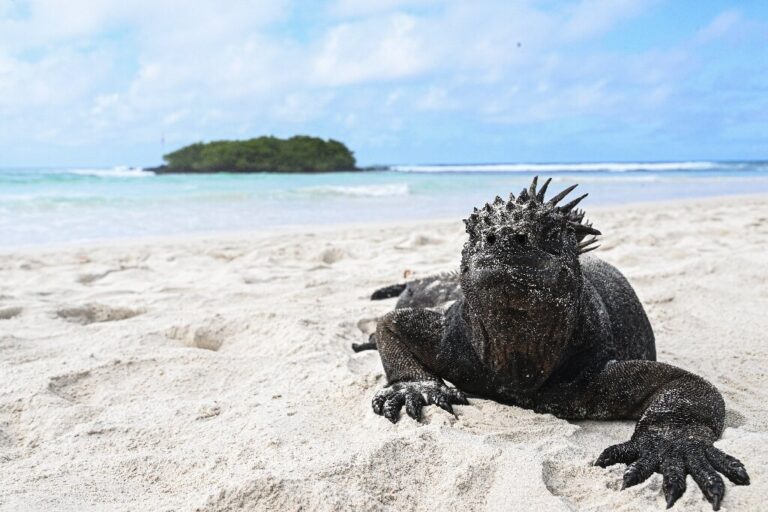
(415, 395)
(675, 455)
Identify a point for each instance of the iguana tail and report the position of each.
(388, 292)
(370, 345)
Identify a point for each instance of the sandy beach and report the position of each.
(215, 373)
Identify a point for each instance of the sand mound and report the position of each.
(93, 313)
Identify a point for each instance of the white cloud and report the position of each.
(351, 8)
(301, 107)
(47, 22)
(437, 98)
(588, 18)
(375, 49)
(721, 26)
(89, 72)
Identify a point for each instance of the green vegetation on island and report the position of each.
(262, 154)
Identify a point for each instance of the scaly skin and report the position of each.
(432, 291)
(537, 325)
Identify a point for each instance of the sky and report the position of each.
(117, 82)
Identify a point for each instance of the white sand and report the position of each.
(216, 374)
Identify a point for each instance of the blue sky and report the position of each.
(111, 82)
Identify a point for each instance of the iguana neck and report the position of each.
(521, 348)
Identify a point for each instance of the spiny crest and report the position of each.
(532, 202)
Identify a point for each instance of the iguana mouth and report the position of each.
(522, 280)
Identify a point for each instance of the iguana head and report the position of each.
(521, 278)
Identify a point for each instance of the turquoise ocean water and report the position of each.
(64, 206)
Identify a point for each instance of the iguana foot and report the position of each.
(415, 395)
(676, 453)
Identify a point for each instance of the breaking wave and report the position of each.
(113, 172)
(578, 167)
(390, 189)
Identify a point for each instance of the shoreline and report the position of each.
(213, 236)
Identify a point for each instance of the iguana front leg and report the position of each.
(408, 341)
(680, 416)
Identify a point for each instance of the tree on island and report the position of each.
(262, 154)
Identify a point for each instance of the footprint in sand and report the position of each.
(332, 255)
(95, 313)
(92, 277)
(126, 381)
(416, 240)
(569, 479)
(208, 336)
(8, 313)
(95, 276)
(68, 386)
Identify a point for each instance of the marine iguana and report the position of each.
(537, 325)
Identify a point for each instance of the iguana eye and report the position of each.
(490, 238)
(521, 239)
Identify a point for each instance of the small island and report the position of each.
(261, 154)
